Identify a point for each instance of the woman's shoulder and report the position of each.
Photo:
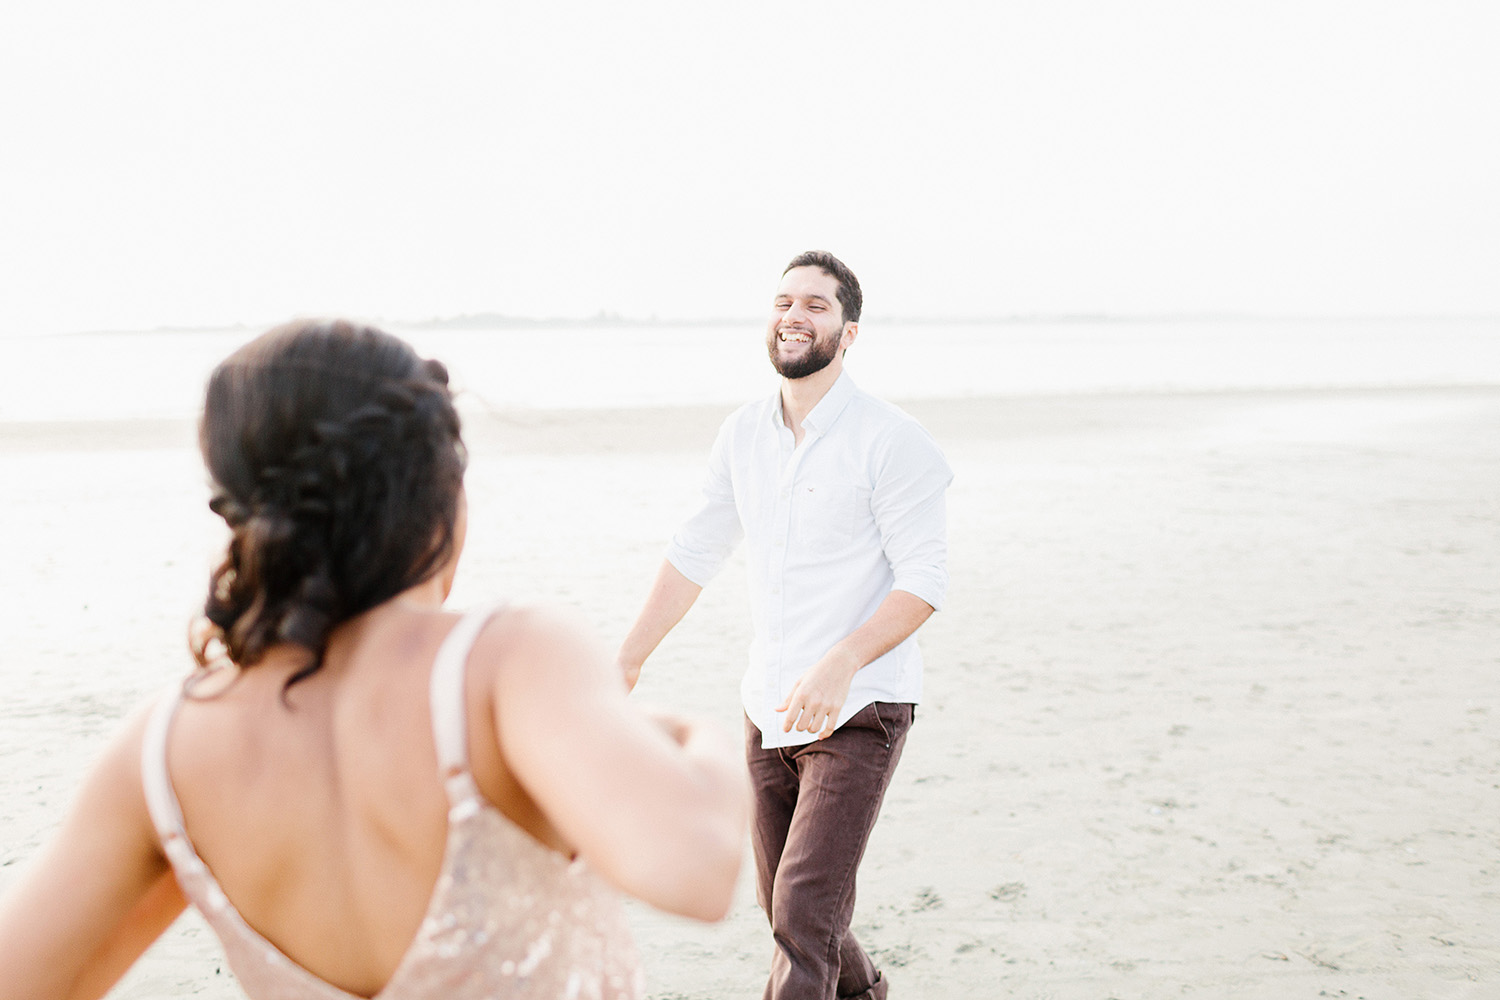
(540, 657)
(530, 637)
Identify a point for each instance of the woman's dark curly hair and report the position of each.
(336, 461)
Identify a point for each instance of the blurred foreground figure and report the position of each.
(364, 793)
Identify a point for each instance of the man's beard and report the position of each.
(819, 355)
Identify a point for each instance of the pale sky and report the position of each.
(189, 163)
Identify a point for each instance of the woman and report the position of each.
(363, 793)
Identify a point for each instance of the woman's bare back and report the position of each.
(321, 809)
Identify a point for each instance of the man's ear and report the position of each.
(851, 331)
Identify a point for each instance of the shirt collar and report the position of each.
(831, 405)
(828, 409)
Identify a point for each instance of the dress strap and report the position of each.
(161, 801)
(449, 716)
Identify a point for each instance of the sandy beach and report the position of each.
(1212, 711)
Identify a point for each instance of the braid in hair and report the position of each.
(337, 463)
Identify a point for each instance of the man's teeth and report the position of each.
(793, 335)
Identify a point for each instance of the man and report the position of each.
(840, 498)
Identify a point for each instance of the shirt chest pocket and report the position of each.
(828, 516)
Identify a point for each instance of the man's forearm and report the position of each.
(671, 596)
(893, 622)
(815, 700)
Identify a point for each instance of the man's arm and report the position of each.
(671, 596)
(696, 552)
(814, 702)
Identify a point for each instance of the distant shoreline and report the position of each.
(672, 426)
(538, 368)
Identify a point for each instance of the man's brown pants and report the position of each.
(814, 808)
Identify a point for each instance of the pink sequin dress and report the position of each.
(508, 919)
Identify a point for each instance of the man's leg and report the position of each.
(807, 877)
(858, 977)
(774, 780)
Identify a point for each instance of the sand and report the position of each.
(1211, 712)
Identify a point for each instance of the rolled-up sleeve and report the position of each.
(910, 508)
(707, 538)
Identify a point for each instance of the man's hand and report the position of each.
(819, 695)
(671, 596)
(815, 700)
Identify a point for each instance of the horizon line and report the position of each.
(607, 318)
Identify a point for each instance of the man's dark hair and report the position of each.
(851, 299)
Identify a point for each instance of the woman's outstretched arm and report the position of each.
(96, 896)
(657, 805)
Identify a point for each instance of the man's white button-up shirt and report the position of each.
(832, 526)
